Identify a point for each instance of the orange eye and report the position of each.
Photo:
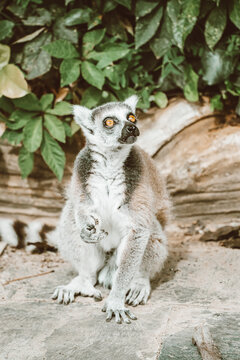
(131, 118)
(109, 122)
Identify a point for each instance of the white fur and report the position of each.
(7, 232)
(107, 188)
(97, 223)
(132, 102)
(33, 234)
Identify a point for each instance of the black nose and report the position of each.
(132, 130)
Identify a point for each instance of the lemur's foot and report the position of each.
(114, 308)
(92, 232)
(66, 293)
(139, 292)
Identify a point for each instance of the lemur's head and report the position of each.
(110, 124)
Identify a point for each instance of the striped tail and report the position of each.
(35, 237)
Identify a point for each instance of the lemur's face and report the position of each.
(111, 124)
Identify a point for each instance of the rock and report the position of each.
(202, 168)
(160, 126)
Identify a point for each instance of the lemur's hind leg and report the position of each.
(87, 259)
(152, 263)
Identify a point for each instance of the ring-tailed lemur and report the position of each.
(111, 227)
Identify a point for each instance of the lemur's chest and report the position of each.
(106, 187)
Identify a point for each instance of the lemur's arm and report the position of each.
(131, 251)
(129, 261)
(87, 221)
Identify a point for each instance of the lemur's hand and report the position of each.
(115, 307)
(92, 232)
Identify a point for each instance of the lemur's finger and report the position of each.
(60, 296)
(134, 296)
(104, 308)
(97, 295)
(117, 317)
(71, 296)
(139, 298)
(144, 300)
(55, 294)
(129, 295)
(124, 317)
(66, 297)
(130, 314)
(109, 315)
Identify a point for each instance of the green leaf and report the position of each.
(61, 31)
(46, 101)
(216, 103)
(191, 84)
(126, 3)
(70, 71)
(95, 20)
(161, 99)
(234, 12)
(215, 25)
(68, 130)
(144, 7)
(112, 53)
(147, 26)
(123, 94)
(74, 127)
(5, 28)
(6, 104)
(55, 127)
(19, 118)
(36, 61)
(183, 15)
(77, 17)
(109, 5)
(38, 17)
(13, 137)
(29, 102)
(61, 109)
(25, 162)
(144, 95)
(53, 155)
(217, 66)
(114, 27)
(61, 49)
(91, 39)
(32, 134)
(12, 82)
(4, 55)
(91, 97)
(92, 74)
(29, 37)
(163, 40)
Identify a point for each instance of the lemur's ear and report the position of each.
(132, 102)
(81, 115)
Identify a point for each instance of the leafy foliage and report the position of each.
(36, 123)
(91, 52)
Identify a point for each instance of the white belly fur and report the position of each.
(106, 186)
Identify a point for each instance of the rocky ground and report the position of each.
(199, 285)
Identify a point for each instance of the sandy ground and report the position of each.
(199, 285)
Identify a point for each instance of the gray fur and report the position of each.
(108, 229)
(132, 170)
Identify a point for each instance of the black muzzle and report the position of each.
(129, 134)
